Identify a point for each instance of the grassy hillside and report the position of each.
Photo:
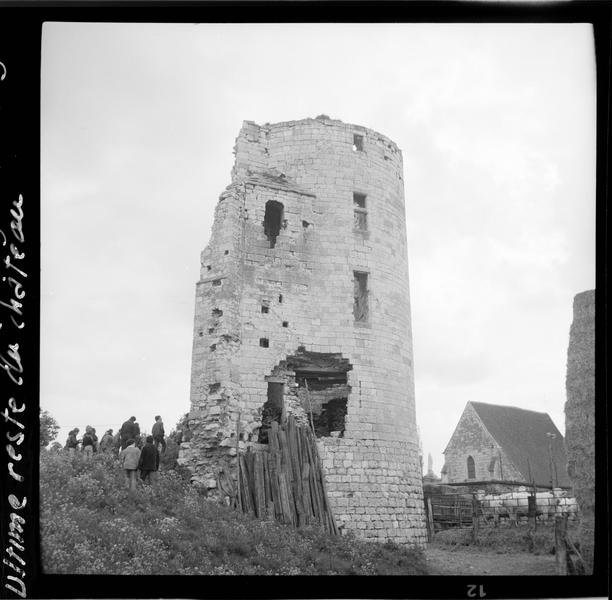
(91, 525)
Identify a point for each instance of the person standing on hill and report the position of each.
(96, 445)
(128, 432)
(129, 458)
(106, 443)
(137, 436)
(159, 434)
(117, 443)
(88, 443)
(149, 460)
(72, 442)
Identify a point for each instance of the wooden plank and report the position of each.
(250, 462)
(284, 479)
(274, 486)
(285, 455)
(260, 486)
(312, 487)
(285, 499)
(246, 492)
(328, 518)
(287, 470)
(305, 475)
(240, 503)
(431, 518)
(296, 473)
(306, 498)
(274, 462)
(267, 487)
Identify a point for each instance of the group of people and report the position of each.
(89, 442)
(135, 453)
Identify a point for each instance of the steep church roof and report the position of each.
(522, 436)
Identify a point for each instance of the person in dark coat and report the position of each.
(158, 433)
(106, 443)
(149, 460)
(128, 432)
(88, 443)
(137, 436)
(95, 439)
(72, 442)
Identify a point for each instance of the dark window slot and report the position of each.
(360, 299)
(273, 220)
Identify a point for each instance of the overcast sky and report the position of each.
(497, 128)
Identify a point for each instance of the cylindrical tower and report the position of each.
(303, 307)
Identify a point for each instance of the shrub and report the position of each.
(91, 524)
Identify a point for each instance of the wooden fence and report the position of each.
(448, 510)
(284, 481)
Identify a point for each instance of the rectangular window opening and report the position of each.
(273, 221)
(265, 309)
(360, 299)
(360, 211)
(285, 323)
(357, 143)
(264, 342)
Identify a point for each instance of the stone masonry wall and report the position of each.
(306, 284)
(580, 416)
(471, 438)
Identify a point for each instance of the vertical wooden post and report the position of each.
(431, 518)
(238, 462)
(561, 544)
(531, 515)
(475, 518)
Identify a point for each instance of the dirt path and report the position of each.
(466, 562)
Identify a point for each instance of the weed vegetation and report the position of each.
(502, 539)
(90, 524)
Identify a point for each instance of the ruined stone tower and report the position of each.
(580, 417)
(303, 308)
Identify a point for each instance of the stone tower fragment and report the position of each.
(303, 308)
(580, 416)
